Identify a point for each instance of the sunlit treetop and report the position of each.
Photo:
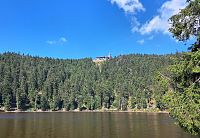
(186, 23)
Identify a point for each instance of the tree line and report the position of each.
(32, 83)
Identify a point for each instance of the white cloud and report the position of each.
(60, 41)
(141, 42)
(135, 24)
(151, 37)
(51, 42)
(159, 23)
(63, 39)
(129, 6)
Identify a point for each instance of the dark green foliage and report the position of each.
(122, 83)
(179, 90)
(44, 103)
(178, 87)
(6, 89)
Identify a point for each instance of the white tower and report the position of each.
(109, 56)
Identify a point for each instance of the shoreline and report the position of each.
(88, 111)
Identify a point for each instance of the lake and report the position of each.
(89, 125)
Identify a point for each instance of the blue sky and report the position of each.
(87, 28)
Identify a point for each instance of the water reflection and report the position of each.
(89, 125)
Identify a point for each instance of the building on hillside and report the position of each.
(102, 58)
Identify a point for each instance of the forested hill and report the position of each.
(32, 83)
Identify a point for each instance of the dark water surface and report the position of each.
(89, 125)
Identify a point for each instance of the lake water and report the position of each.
(89, 125)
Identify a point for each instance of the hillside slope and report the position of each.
(123, 82)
